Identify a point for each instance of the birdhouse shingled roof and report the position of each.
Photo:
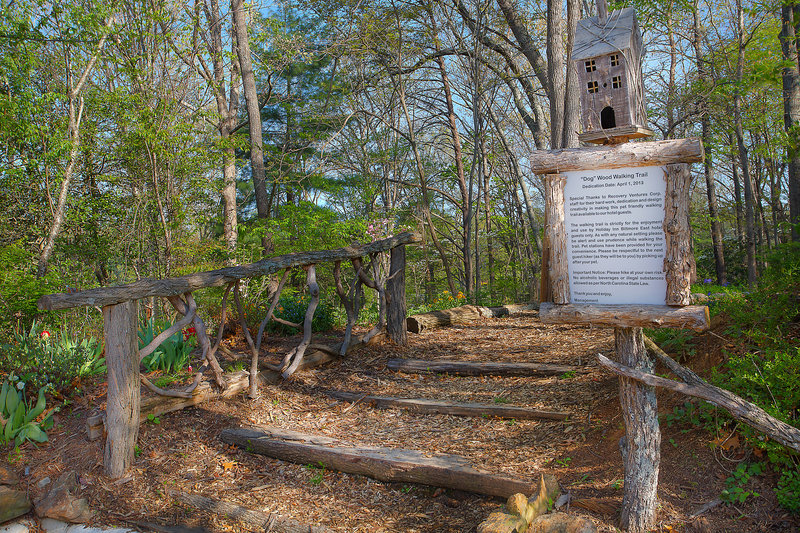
(620, 31)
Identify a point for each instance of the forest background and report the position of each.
(154, 138)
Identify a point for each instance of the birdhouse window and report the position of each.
(614, 60)
(590, 66)
(616, 82)
(592, 87)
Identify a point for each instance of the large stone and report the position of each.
(503, 523)
(62, 502)
(8, 476)
(13, 503)
(562, 523)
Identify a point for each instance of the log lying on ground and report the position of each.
(385, 464)
(256, 520)
(446, 317)
(467, 368)
(422, 405)
(159, 405)
(511, 309)
(627, 316)
(740, 409)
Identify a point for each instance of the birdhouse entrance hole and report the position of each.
(607, 118)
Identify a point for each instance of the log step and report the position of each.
(422, 405)
(466, 368)
(385, 464)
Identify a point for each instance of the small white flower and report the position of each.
(21, 385)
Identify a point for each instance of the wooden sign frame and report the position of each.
(674, 156)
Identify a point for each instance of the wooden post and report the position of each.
(641, 446)
(122, 403)
(678, 257)
(556, 232)
(396, 297)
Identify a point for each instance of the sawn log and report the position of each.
(422, 405)
(385, 464)
(468, 368)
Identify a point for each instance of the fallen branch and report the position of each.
(422, 405)
(272, 522)
(385, 464)
(467, 368)
(740, 409)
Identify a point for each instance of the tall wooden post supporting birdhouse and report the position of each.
(618, 241)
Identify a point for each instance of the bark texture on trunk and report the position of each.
(641, 446)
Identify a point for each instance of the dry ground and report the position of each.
(184, 453)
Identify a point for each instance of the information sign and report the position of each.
(615, 238)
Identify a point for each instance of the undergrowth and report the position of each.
(763, 325)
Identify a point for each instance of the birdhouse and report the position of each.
(608, 58)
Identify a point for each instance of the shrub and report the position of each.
(21, 420)
(42, 358)
(293, 309)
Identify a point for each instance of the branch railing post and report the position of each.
(122, 401)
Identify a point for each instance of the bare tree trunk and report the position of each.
(708, 168)
(750, 240)
(253, 110)
(73, 137)
(555, 71)
(572, 92)
(790, 19)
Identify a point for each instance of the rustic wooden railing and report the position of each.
(371, 268)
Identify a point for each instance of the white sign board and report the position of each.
(615, 237)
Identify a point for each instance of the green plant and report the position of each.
(42, 358)
(677, 341)
(564, 462)
(318, 472)
(618, 484)
(788, 491)
(500, 400)
(152, 419)
(20, 419)
(172, 354)
(735, 491)
(568, 374)
(136, 451)
(293, 308)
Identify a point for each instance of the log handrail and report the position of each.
(145, 288)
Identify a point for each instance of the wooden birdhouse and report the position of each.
(608, 58)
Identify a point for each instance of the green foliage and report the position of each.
(20, 419)
(788, 491)
(700, 414)
(444, 300)
(677, 341)
(172, 355)
(19, 287)
(293, 308)
(735, 485)
(44, 358)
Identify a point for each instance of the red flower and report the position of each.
(44, 334)
(189, 332)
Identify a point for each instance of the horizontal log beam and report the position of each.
(627, 316)
(423, 405)
(641, 154)
(385, 464)
(145, 288)
(159, 405)
(469, 368)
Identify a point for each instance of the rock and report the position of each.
(62, 502)
(498, 522)
(546, 497)
(42, 483)
(8, 476)
(562, 523)
(13, 503)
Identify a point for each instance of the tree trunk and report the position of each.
(790, 19)
(641, 445)
(555, 71)
(253, 109)
(749, 207)
(396, 297)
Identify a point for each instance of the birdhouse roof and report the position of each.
(620, 32)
